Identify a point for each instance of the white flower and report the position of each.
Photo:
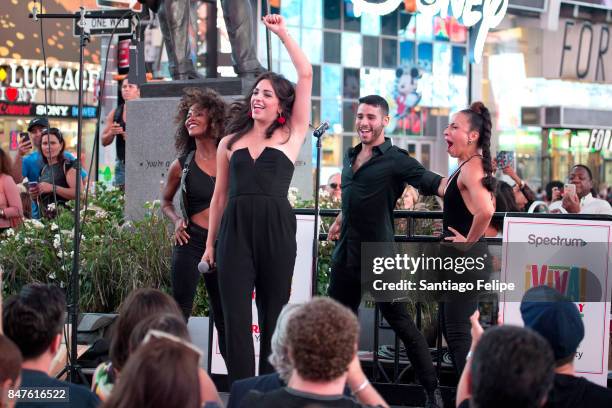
(56, 241)
(34, 223)
(10, 232)
(101, 214)
(323, 193)
(51, 207)
(27, 240)
(54, 227)
(51, 275)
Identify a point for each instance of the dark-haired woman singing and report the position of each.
(468, 208)
(200, 119)
(256, 246)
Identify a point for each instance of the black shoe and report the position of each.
(434, 400)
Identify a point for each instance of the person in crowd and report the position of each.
(138, 305)
(173, 325)
(58, 178)
(504, 202)
(523, 194)
(163, 372)
(508, 367)
(31, 164)
(334, 186)
(582, 202)
(373, 177)
(554, 191)
(256, 245)
(468, 209)
(114, 128)
(200, 118)
(11, 209)
(322, 338)
(33, 320)
(10, 371)
(558, 320)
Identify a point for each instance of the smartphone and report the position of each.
(32, 184)
(489, 312)
(24, 136)
(505, 159)
(569, 188)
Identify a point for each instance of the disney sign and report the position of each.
(489, 13)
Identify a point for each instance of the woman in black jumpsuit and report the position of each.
(468, 209)
(250, 212)
(200, 118)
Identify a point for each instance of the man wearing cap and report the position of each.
(32, 163)
(557, 319)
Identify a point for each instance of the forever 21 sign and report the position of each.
(585, 51)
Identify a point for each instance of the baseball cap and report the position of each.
(38, 122)
(555, 318)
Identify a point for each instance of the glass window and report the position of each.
(351, 84)
(331, 14)
(291, 11)
(288, 70)
(424, 28)
(351, 49)
(315, 113)
(369, 80)
(294, 32)
(459, 61)
(312, 13)
(389, 53)
(351, 23)
(370, 24)
(331, 110)
(407, 56)
(331, 47)
(425, 56)
(316, 81)
(370, 51)
(407, 28)
(389, 23)
(349, 112)
(331, 82)
(312, 44)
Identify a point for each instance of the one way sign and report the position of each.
(104, 22)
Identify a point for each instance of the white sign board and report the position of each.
(560, 253)
(104, 26)
(301, 288)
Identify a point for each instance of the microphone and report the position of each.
(318, 132)
(204, 267)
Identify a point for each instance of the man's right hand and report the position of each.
(334, 232)
(24, 147)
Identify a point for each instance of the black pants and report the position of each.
(345, 287)
(185, 278)
(457, 330)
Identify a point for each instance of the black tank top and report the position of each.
(270, 175)
(456, 214)
(200, 187)
(119, 140)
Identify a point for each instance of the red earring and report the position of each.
(281, 119)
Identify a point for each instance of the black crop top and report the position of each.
(200, 187)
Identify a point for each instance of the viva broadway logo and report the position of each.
(569, 280)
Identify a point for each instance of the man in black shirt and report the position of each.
(33, 320)
(557, 319)
(374, 175)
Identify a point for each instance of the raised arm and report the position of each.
(300, 115)
(218, 201)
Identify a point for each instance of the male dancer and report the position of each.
(373, 178)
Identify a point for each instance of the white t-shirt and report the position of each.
(588, 205)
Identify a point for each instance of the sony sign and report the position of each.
(26, 75)
(486, 13)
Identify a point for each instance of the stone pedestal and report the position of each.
(150, 145)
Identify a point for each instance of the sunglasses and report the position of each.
(158, 334)
(334, 185)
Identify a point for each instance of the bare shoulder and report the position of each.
(471, 172)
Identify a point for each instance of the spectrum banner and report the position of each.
(571, 255)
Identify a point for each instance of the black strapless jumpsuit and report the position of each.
(256, 248)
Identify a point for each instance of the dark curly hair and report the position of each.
(321, 338)
(480, 121)
(207, 99)
(241, 121)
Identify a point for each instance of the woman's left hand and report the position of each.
(457, 237)
(275, 23)
(44, 188)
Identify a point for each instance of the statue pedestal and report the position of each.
(150, 146)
